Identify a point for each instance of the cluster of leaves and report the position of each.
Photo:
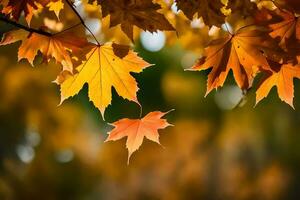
(264, 40)
(268, 45)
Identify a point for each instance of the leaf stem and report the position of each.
(26, 28)
(81, 20)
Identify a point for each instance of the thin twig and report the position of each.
(67, 29)
(81, 20)
(26, 28)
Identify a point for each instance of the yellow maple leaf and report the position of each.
(56, 7)
(103, 70)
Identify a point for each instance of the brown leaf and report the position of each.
(140, 13)
(209, 10)
(244, 7)
(120, 50)
(290, 5)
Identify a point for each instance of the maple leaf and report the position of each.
(292, 51)
(56, 7)
(245, 7)
(141, 13)
(55, 46)
(136, 129)
(238, 52)
(290, 5)
(14, 8)
(209, 10)
(282, 78)
(103, 70)
(286, 28)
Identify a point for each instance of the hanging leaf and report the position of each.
(238, 52)
(103, 70)
(137, 129)
(57, 46)
(209, 10)
(140, 13)
(282, 78)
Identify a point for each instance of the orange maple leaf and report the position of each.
(14, 8)
(55, 46)
(239, 52)
(136, 129)
(282, 78)
(286, 28)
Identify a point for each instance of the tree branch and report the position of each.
(81, 20)
(26, 28)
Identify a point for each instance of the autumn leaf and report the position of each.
(14, 8)
(292, 51)
(56, 46)
(56, 6)
(209, 10)
(282, 78)
(141, 13)
(239, 52)
(290, 5)
(103, 70)
(286, 28)
(136, 129)
(244, 7)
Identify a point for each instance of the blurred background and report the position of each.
(216, 150)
